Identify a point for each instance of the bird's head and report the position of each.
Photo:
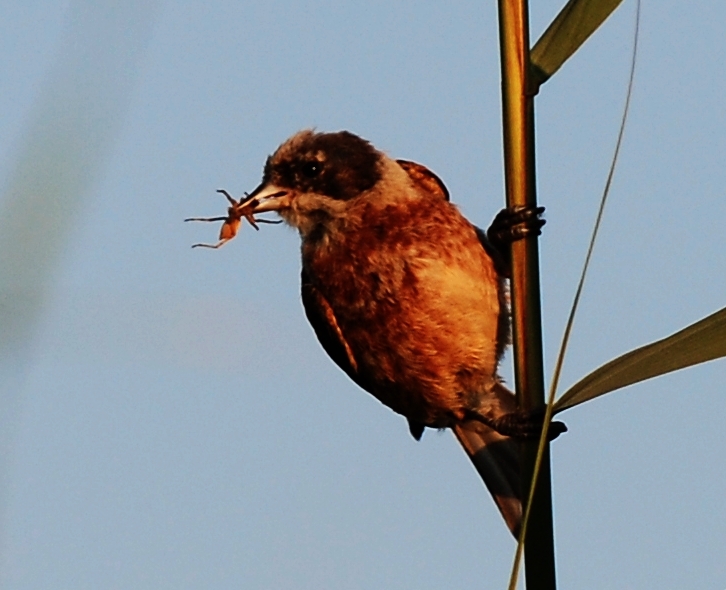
(314, 178)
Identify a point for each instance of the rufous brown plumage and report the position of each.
(405, 295)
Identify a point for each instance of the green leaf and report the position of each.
(698, 343)
(573, 25)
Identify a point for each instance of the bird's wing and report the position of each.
(322, 319)
(425, 180)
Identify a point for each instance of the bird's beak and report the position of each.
(268, 197)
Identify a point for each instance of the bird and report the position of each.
(404, 294)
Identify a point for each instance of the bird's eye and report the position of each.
(311, 169)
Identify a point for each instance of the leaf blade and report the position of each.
(572, 26)
(700, 342)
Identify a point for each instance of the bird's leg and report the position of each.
(512, 224)
(521, 425)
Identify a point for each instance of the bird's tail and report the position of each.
(496, 458)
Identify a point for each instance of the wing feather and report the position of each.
(322, 319)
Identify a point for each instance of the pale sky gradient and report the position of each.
(173, 422)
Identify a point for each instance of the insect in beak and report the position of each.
(244, 208)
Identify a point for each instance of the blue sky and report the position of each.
(170, 420)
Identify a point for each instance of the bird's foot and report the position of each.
(512, 224)
(527, 425)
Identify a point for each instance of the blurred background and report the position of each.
(168, 418)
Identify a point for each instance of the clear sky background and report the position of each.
(170, 421)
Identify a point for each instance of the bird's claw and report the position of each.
(515, 223)
(527, 425)
(509, 225)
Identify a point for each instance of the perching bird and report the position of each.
(405, 295)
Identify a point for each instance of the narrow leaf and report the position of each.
(698, 343)
(573, 25)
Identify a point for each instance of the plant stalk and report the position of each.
(519, 169)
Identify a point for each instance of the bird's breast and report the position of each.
(418, 302)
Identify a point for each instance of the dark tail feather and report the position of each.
(496, 458)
